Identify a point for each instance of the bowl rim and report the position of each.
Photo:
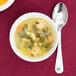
(6, 5)
(24, 17)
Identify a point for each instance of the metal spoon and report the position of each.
(60, 17)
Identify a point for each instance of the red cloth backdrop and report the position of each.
(12, 65)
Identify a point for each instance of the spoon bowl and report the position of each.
(60, 15)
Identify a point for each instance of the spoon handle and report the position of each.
(59, 60)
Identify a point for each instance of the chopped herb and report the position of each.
(37, 22)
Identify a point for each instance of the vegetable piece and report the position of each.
(49, 39)
(45, 30)
(42, 39)
(22, 34)
(29, 43)
(19, 28)
(48, 45)
(33, 35)
(35, 51)
(40, 24)
(37, 22)
(24, 27)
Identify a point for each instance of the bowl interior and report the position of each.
(22, 18)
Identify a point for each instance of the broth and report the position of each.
(34, 37)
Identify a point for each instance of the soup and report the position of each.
(34, 37)
(2, 2)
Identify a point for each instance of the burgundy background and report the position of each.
(12, 65)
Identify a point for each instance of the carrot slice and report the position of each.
(49, 37)
(19, 28)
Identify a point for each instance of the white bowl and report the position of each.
(6, 5)
(22, 18)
